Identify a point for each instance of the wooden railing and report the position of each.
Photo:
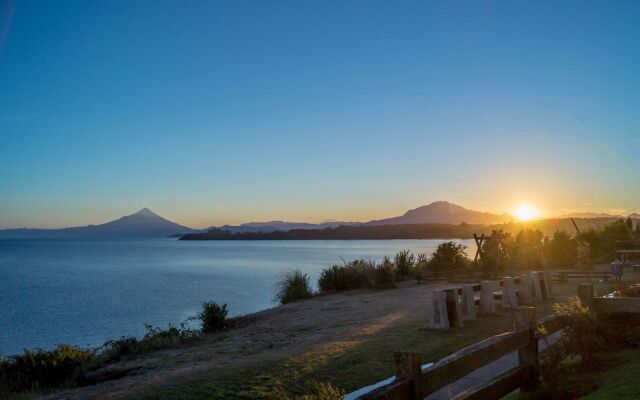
(413, 383)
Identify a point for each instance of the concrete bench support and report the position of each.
(545, 278)
(526, 289)
(487, 303)
(454, 307)
(509, 299)
(437, 317)
(468, 303)
(537, 288)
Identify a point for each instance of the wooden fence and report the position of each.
(413, 383)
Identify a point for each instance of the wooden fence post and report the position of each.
(409, 366)
(585, 294)
(526, 319)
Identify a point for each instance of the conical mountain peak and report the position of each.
(145, 212)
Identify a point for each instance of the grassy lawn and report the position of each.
(620, 379)
(348, 365)
(616, 381)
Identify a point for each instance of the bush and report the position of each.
(154, 338)
(448, 256)
(40, 369)
(294, 286)
(356, 274)
(579, 337)
(405, 263)
(213, 316)
(384, 273)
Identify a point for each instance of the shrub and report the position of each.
(356, 274)
(384, 273)
(553, 372)
(154, 338)
(448, 256)
(294, 286)
(580, 336)
(41, 369)
(213, 316)
(404, 262)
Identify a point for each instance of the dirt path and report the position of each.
(270, 336)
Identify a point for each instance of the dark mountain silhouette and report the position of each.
(284, 226)
(443, 212)
(144, 223)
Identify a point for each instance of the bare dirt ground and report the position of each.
(270, 336)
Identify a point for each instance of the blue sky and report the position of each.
(226, 112)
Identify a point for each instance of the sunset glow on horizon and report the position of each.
(526, 212)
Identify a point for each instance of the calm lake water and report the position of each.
(88, 291)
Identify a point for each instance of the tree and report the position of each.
(404, 262)
(527, 248)
(448, 256)
(561, 249)
(496, 254)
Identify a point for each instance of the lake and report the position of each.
(85, 292)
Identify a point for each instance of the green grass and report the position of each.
(617, 379)
(620, 378)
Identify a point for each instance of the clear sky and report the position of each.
(227, 112)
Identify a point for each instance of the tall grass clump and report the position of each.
(36, 370)
(293, 287)
(213, 316)
(405, 264)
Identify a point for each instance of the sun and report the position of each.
(526, 212)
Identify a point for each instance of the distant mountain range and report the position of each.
(439, 212)
(144, 223)
(273, 226)
(587, 214)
